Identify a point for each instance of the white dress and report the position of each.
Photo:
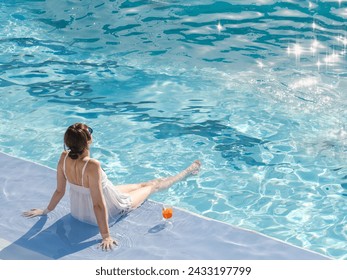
(81, 204)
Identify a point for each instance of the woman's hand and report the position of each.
(107, 243)
(33, 213)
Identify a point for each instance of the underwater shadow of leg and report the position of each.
(66, 236)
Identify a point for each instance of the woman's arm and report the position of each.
(57, 195)
(61, 185)
(95, 186)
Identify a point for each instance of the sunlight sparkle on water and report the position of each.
(342, 40)
(219, 27)
(297, 50)
(319, 64)
(314, 46)
(314, 25)
(260, 64)
(331, 58)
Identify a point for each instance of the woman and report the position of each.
(93, 198)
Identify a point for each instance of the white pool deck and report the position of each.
(141, 235)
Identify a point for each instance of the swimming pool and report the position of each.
(255, 90)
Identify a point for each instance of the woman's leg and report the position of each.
(140, 192)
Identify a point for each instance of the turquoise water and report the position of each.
(255, 89)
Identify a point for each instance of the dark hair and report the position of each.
(76, 139)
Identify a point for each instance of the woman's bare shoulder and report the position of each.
(93, 169)
(93, 163)
(62, 157)
(64, 154)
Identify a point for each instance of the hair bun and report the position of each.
(73, 155)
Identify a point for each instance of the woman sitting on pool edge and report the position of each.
(93, 198)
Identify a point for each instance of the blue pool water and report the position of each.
(255, 89)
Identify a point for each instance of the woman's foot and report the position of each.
(194, 168)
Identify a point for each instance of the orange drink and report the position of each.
(167, 212)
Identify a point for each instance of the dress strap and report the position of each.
(64, 164)
(83, 170)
